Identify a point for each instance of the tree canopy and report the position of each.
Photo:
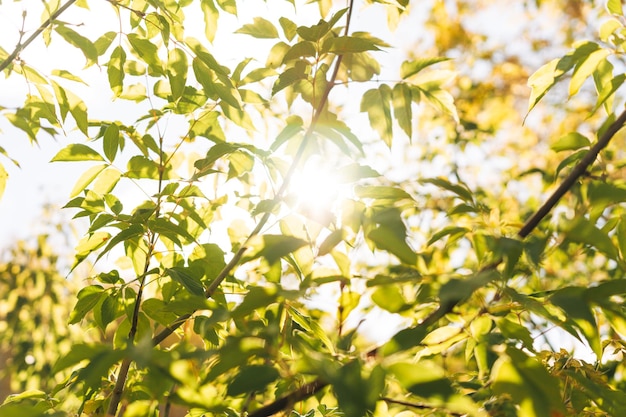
(321, 208)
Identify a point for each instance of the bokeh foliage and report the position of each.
(418, 288)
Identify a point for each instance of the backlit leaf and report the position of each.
(86, 178)
(252, 378)
(569, 142)
(410, 68)
(376, 102)
(77, 152)
(260, 28)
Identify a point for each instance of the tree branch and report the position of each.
(279, 194)
(578, 171)
(21, 45)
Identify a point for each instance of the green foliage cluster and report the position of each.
(209, 293)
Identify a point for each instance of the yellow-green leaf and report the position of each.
(77, 152)
(376, 102)
(86, 178)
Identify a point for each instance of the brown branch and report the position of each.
(21, 45)
(578, 171)
(416, 405)
(287, 401)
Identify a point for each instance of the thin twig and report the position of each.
(578, 171)
(20, 46)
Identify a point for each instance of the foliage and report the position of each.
(227, 286)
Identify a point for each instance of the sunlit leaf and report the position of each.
(260, 28)
(86, 178)
(615, 7)
(187, 279)
(573, 302)
(410, 68)
(252, 378)
(74, 38)
(115, 70)
(376, 102)
(177, 71)
(583, 231)
(77, 152)
(4, 176)
(528, 383)
(274, 247)
(569, 142)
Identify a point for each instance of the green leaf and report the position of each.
(393, 241)
(78, 109)
(211, 18)
(571, 141)
(381, 192)
(259, 28)
(457, 290)
(290, 76)
(402, 110)
(146, 51)
(4, 175)
(541, 81)
(257, 297)
(106, 181)
(105, 311)
(410, 68)
(252, 378)
(528, 383)
(348, 45)
(332, 240)
(461, 190)
(376, 102)
(608, 89)
(187, 278)
(130, 232)
(300, 50)
(313, 33)
(584, 68)
(86, 178)
(441, 100)
(141, 167)
(451, 231)
(601, 77)
(88, 297)
(425, 379)
(111, 141)
(209, 258)
(77, 152)
(289, 28)
(75, 39)
(292, 128)
(273, 247)
(573, 302)
(515, 331)
(583, 231)
(115, 70)
(177, 66)
(615, 7)
(389, 297)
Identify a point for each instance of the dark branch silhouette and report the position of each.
(578, 171)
